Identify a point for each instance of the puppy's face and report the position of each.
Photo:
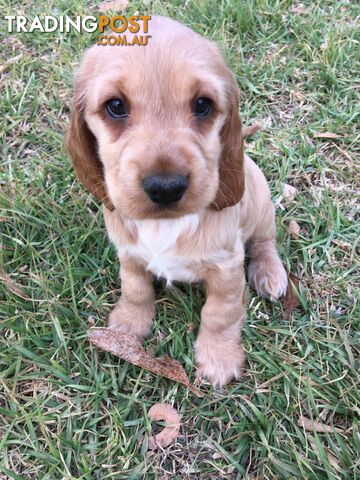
(160, 126)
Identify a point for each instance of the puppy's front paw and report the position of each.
(268, 276)
(132, 319)
(219, 361)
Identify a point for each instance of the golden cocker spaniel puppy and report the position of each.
(156, 136)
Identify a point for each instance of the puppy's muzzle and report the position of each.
(165, 189)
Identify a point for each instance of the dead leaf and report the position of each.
(10, 61)
(168, 435)
(312, 426)
(290, 300)
(12, 286)
(128, 347)
(264, 385)
(289, 192)
(343, 152)
(249, 131)
(113, 5)
(334, 462)
(294, 228)
(309, 141)
(91, 321)
(298, 9)
(343, 245)
(326, 135)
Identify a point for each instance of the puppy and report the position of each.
(156, 136)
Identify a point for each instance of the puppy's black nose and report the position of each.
(165, 189)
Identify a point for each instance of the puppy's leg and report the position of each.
(266, 271)
(218, 352)
(135, 310)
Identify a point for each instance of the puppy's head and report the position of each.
(155, 130)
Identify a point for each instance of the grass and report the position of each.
(68, 411)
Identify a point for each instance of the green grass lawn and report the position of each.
(68, 411)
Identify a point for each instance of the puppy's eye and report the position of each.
(202, 107)
(116, 108)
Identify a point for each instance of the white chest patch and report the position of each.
(156, 247)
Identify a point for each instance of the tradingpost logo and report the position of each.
(119, 25)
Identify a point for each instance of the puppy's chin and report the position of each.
(155, 212)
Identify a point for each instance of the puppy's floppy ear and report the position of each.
(81, 145)
(231, 166)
